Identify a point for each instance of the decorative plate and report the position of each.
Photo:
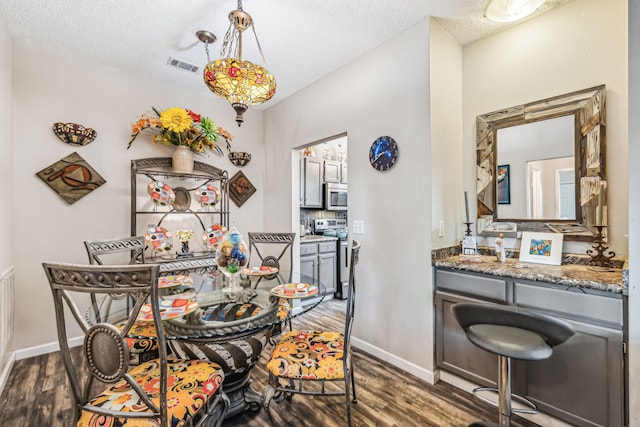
(171, 281)
(295, 290)
(213, 235)
(161, 194)
(207, 195)
(260, 271)
(73, 133)
(158, 238)
(182, 199)
(169, 309)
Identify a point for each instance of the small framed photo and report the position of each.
(541, 248)
(504, 187)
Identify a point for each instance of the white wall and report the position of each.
(634, 213)
(447, 196)
(50, 88)
(377, 94)
(6, 145)
(576, 45)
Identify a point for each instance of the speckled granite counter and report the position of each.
(567, 274)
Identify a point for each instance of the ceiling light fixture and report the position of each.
(511, 10)
(242, 83)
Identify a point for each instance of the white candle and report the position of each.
(599, 218)
(466, 205)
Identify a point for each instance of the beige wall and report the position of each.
(6, 145)
(576, 45)
(51, 88)
(384, 92)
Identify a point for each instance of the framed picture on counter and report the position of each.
(541, 248)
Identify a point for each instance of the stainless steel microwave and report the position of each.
(335, 197)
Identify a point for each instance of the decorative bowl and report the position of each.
(239, 158)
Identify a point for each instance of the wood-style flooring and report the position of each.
(36, 394)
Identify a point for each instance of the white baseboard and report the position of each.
(8, 361)
(394, 360)
(45, 348)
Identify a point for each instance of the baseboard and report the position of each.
(7, 365)
(39, 350)
(539, 418)
(394, 360)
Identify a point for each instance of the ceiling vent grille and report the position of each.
(182, 65)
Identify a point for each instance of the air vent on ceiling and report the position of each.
(182, 65)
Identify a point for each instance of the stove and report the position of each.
(322, 225)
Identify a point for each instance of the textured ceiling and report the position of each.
(302, 40)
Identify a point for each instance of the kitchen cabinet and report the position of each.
(582, 383)
(311, 176)
(335, 172)
(319, 260)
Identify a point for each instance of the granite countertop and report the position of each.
(313, 238)
(574, 275)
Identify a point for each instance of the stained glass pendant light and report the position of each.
(242, 83)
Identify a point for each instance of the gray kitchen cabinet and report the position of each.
(319, 260)
(332, 171)
(311, 175)
(582, 383)
(344, 173)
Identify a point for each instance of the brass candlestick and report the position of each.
(598, 257)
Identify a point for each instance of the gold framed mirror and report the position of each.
(578, 195)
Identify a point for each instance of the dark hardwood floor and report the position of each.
(36, 394)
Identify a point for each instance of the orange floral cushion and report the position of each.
(284, 307)
(189, 385)
(141, 329)
(313, 355)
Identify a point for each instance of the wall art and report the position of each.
(240, 188)
(73, 133)
(71, 177)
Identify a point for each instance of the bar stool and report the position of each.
(511, 333)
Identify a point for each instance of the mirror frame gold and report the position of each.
(588, 108)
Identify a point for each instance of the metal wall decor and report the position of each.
(73, 133)
(240, 188)
(239, 158)
(71, 177)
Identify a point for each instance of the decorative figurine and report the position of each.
(184, 236)
(500, 252)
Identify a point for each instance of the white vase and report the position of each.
(182, 161)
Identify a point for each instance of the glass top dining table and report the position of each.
(205, 319)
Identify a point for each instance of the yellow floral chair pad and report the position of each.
(189, 385)
(309, 355)
(141, 329)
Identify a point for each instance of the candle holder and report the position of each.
(468, 230)
(598, 257)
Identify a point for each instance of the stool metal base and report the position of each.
(514, 397)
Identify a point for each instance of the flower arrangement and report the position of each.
(179, 126)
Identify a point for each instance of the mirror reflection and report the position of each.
(536, 170)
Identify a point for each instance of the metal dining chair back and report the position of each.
(272, 250)
(137, 394)
(304, 361)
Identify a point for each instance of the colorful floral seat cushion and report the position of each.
(140, 330)
(310, 355)
(284, 307)
(189, 382)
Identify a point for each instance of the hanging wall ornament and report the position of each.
(73, 133)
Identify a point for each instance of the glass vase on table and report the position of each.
(232, 255)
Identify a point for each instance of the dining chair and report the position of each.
(305, 361)
(272, 250)
(122, 250)
(159, 392)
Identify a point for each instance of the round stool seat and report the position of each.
(509, 341)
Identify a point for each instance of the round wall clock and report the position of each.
(383, 153)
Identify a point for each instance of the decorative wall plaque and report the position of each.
(71, 177)
(73, 133)
(240, 188)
